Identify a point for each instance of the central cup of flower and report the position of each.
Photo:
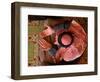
(66, 39)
